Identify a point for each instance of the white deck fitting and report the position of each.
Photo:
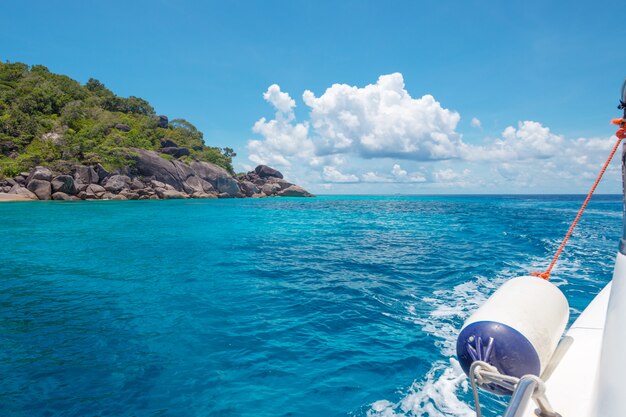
(571, 387)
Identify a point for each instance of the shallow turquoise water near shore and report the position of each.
(332, 306)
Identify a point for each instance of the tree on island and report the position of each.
(51, 119)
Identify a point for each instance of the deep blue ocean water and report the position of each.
(332, 306)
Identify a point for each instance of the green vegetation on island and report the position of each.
(52, 120)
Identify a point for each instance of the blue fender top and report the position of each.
(499, 345)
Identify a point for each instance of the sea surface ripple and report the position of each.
(332, 306)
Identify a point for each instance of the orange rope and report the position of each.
(621, 134)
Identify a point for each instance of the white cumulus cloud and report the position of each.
(530, 140)
(449, 175)
(401, 175)
(382, 120)
(283, 139)
(374, 177)
(332, 174)
(355, 136)
(375, 121)
(397, 175)
(398, 171)
(283, 103)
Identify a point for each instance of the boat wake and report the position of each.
(434, 396)
(440, 393)
(444, 390)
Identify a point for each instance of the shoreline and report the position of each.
(10, 198)
(150, 178)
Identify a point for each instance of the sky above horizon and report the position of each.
(411, 97)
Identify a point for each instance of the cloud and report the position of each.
(332, 174)
(373, 177)
(397, 171)
(375, 121)
(283, 103)
(355, 136)
(396, 175)
(401, 175)
(449, 176)
(382, 120)
(531, 140)
(572, 166)
(283, 139)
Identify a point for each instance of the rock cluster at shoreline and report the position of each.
(150, 178)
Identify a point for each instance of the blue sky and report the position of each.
(550, 71)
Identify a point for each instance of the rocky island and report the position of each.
(152, 178)
(60, 140)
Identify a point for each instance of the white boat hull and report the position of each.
(585, 380)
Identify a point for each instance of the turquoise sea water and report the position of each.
(333, 306)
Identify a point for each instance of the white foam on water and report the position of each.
(437, 394)
(595, 212)
(451, 308)
(434, 396)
